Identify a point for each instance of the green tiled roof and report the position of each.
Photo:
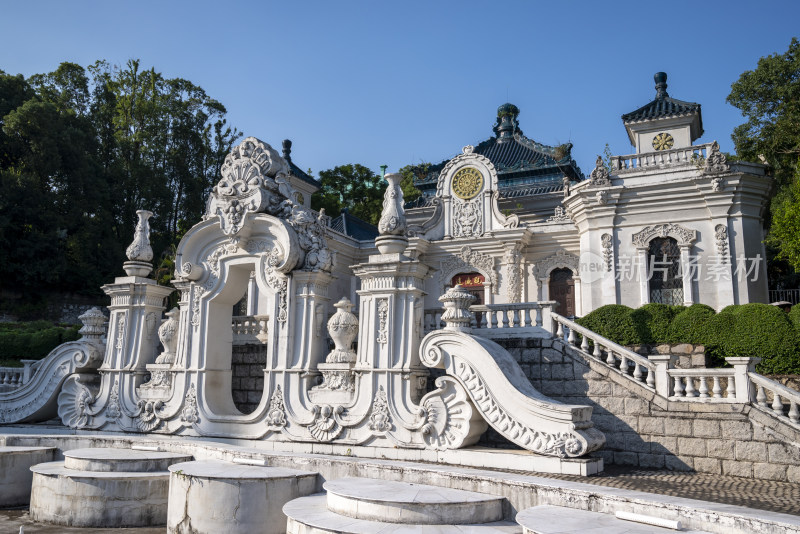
(663, 105)
(519, 161)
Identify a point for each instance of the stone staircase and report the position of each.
(362, 505)
(103, 487)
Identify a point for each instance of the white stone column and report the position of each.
(578, 296)
(641, 272)
(686, 271)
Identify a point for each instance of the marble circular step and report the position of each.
(121, 460)
(69, 497)
(15, 466)
(310, 515)
(215, 496)
(417, 504)
(548, 519)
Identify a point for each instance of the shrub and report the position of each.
(794, 315)
(615, 322)
(33, 340)
(653, 321)
(689, 325)
(767, 332)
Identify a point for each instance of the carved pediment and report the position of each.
(681, 234)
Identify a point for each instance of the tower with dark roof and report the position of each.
(664, 123)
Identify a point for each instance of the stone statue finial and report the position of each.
(93, 324)
(167, 334)
(139, 252)
(392, 224)
(457, 315)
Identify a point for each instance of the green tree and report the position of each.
(411, 173)
(350, 186)
(81, 150)
(769, 99)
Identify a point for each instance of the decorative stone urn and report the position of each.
(343, 329)
(167, 333)
(139, 252)
(392, 224)
(338, 380)
(93, 325)
(457, 316)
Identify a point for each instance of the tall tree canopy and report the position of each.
(350, 186)
(769, 98)
(81, 149)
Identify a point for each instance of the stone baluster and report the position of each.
(761, 397)
(690, 391)
(730, 392)
(610, 359)
(703, 387)
(585, 344)
(598, 352)
(777, 404)
(678, 386)
(716, 391)
(794, 413)
(637, 371)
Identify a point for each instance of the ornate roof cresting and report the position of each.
(255, 180)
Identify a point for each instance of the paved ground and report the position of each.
(781, 497)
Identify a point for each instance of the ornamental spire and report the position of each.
(661, 84)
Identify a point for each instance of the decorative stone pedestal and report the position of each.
(361, 505)
(15, 466)
(212, 496)
(103, 488)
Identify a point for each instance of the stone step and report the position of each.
(417, 504)
(103, 459)
(15, 466)
(214, 496)
(70, 497)
(310, 515)
(548, 519)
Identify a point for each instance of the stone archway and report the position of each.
(560, 260)
(683, 237)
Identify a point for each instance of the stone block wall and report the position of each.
(649, 431)
(687, 356)
(247, 384)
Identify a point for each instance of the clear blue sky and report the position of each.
(402, 82)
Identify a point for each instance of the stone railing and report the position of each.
(15, 377)
(781, 397)
(736, 384)
(611, 354)
(499, 320)
(249, 329)
(693, 155)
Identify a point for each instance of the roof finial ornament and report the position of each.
(661, 84)
(507, 124)
(287, 150)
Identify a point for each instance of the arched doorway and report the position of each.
(664, 270)
(562, 290)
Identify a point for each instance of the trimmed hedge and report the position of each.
(689, 325)
(755, 330)
(33, 341)
(615, 322)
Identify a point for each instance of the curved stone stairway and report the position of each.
(362, 505)
(103, 487)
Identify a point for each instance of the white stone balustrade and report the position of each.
(770, 396)
(693, 155)
(15, 377)
(500, 320)
(693, 384)
(736, 384)
(248, 328)
(615, 356)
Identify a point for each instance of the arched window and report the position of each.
(562, 290)
(664, 271)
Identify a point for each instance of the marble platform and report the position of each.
(103, 487)
(561, 520)
(15, 466)
(362, 505)
(211, 496)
